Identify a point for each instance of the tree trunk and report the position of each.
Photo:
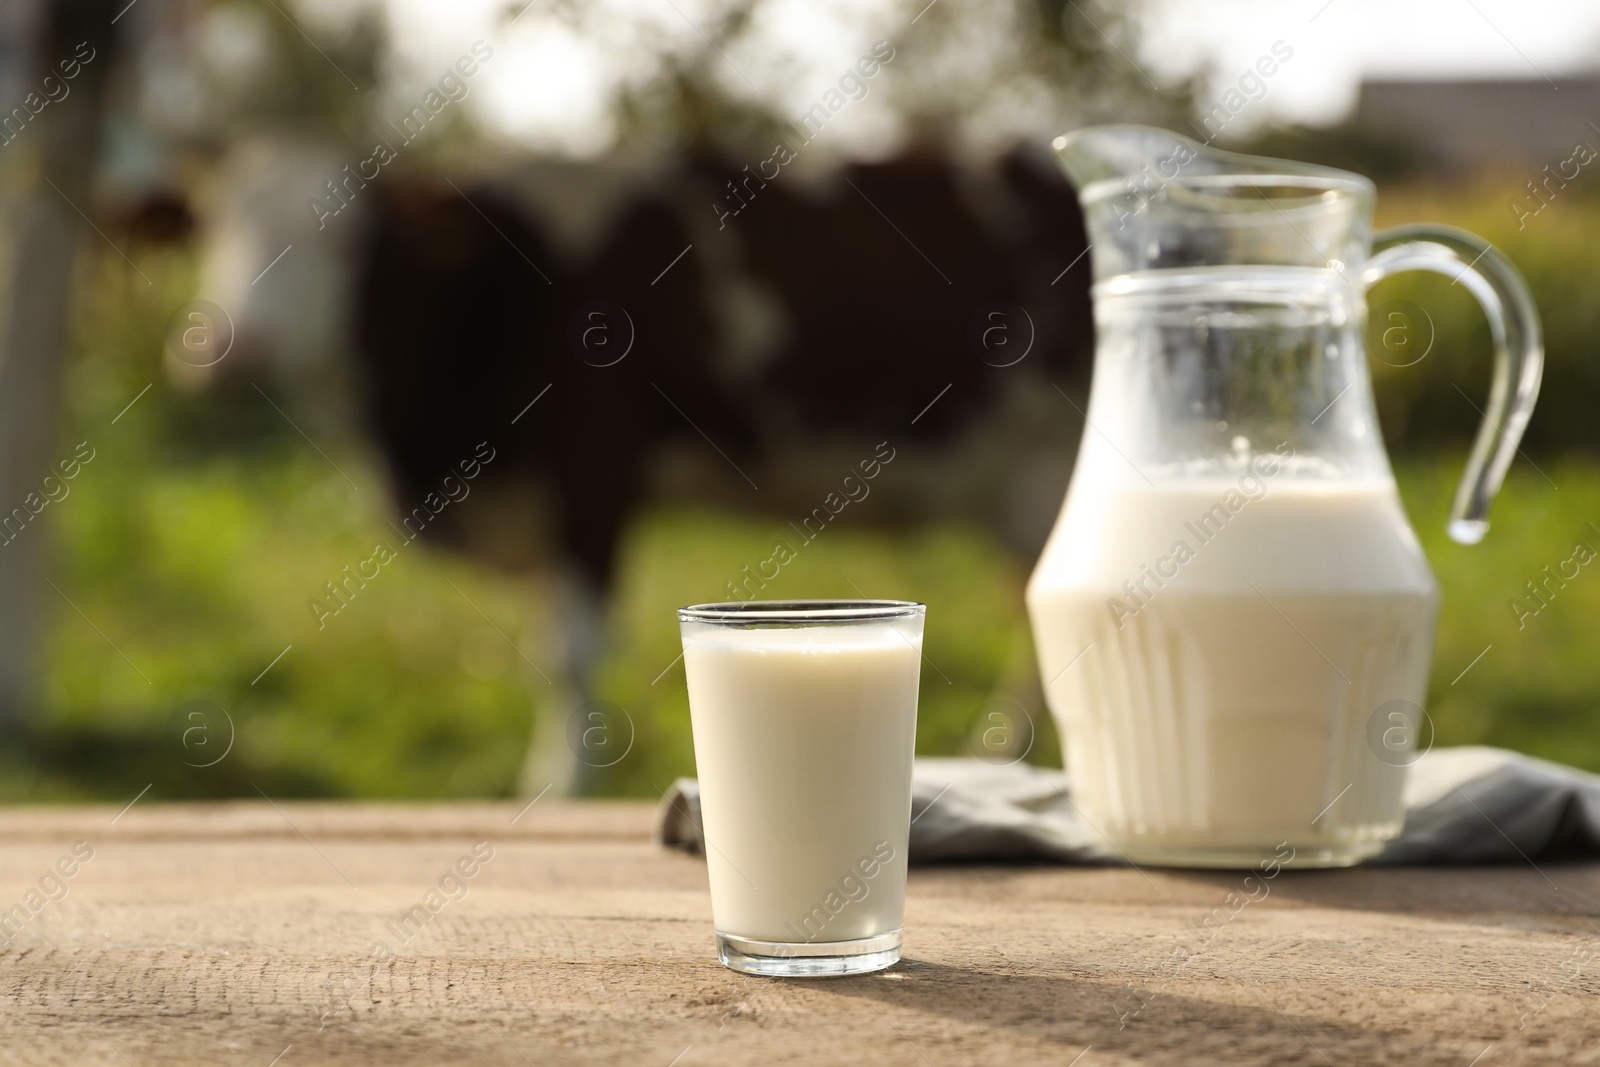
(60, 143)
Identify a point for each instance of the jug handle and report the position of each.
(1518, 351)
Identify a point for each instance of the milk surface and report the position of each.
(1234, 643)
(803, 739)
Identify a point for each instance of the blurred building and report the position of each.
(1466, 125)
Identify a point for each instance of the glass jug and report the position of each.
(1233, 617)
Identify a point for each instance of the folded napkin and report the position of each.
(1463, 805)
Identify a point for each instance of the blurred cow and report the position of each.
(620, 334)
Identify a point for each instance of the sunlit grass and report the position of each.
(200, 576)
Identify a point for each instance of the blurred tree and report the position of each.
(60, 135)
(971, 73)
(164, 78)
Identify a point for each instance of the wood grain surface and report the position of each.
(248, 934)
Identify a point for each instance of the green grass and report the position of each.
(1537, 689)
(200, 576)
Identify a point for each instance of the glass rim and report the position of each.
(800, 612)
(1248, 192)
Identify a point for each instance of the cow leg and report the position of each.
(559, 758)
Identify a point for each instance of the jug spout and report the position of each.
(1124, 152)
(1153, 200)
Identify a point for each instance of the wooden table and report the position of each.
(245, 934)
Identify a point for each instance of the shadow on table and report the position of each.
(1156, 1027)
(1556, 892)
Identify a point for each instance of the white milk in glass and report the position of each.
(1236, 635)
(803, 738)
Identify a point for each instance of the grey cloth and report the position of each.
(1463, 805)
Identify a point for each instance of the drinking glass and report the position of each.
(804, 716)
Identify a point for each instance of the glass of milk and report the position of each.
(804, 716)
